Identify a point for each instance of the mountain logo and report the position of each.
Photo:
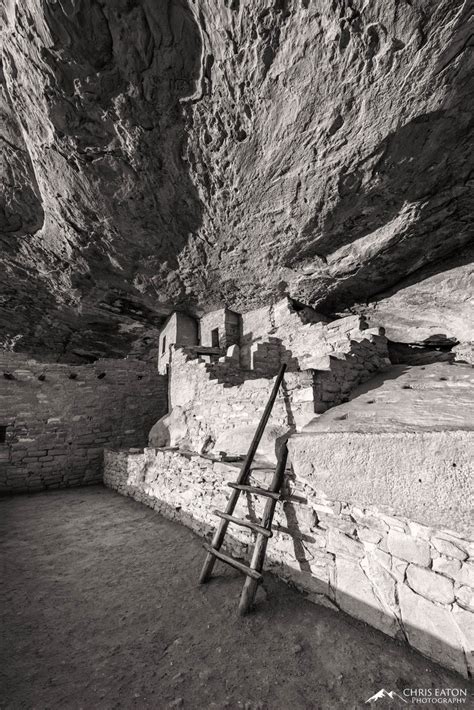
(385, 694)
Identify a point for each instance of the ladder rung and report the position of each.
(233, 563)
(244, 523)
(257, 491)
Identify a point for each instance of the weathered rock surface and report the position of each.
(439, 396)
(195, 153)
(99, 203)
(423, 475)
(435, 301)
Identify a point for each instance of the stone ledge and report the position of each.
(425, 476)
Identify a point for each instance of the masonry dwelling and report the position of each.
(374, 517)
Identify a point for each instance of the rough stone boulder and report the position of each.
(170, 430)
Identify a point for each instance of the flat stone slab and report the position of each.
(404, 442)
(425, 476)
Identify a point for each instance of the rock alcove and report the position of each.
(195, 154)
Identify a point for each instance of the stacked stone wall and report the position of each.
(266, 358)
(216, 398)
(411, 581)
(220, 397)
(310, 341)
(228, 324)
(347, 370)
(57, 418)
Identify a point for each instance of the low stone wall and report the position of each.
(56, 419)
(411, 581)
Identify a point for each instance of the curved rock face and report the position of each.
(196, 153)
(96, 90)
(435, 301)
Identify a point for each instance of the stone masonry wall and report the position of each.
(220, 397)
(58, 418)
(179, 329)
(301, 335)
(228, 324)
(413, 582)
(216, 398)
(347, 370)
(267, 356)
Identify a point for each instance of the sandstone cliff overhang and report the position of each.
(170, 153)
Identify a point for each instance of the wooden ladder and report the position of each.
(263, 530)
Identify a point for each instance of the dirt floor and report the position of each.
(100, 609)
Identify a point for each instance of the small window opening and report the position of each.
(3, 434)
(215, 337)
(163, 347)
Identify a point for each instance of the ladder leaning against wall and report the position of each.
(263, 530)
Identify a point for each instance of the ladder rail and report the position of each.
(245, 470)
(250, 587)
(221, 530)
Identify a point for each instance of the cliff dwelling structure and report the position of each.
(236, 354)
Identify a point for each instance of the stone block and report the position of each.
(431, 629)
(305, 394)
(418, 530)
(431, 585)
(345, 525)
(381, 580)
(398, 569)
(355, 595)
(466, 575)
(465, 623)
(447, 566)
(340, 544)
(465, 597)
(448, 548)
(394, 523)
(318, 540)
(409, 549)
(368, 519)
(383, 558)
(326, 508)
(368, 535)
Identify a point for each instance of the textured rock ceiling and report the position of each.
(194, 152)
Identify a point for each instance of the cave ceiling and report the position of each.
(180, 153)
